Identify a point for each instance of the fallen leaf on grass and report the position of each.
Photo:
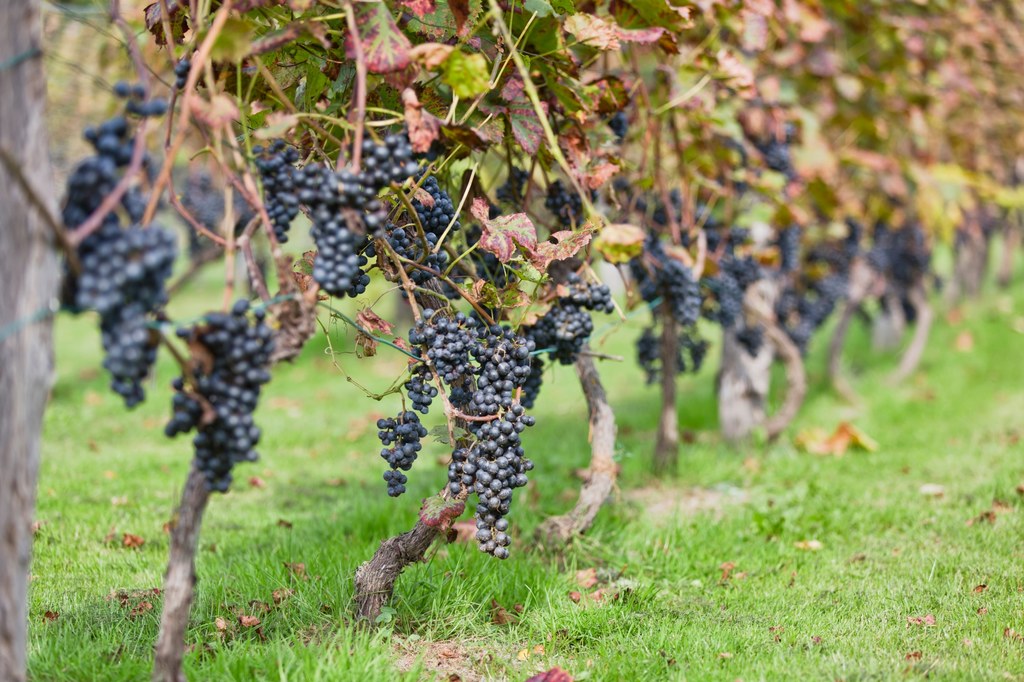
(51, 616)
(257, 482)
(141, 608)
(1013, 635)
(964, 342)
(913, 656)
(982, 611)
(815, 640)
(500, 616)
(725, 655)
(586, 578)
(575, 596)
(282, 594)
(845, 436)
(809, 545)
(524, 654)
(248, 621)
(926, 621)
(284, 524)
(464, 531)
(36, 525)
(978, 589)
(298, 570)
(554, 675)
(220, 624)
(1020, 489)
(932, 490)
(260, 606)
(132, 541)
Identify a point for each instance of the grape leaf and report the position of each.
(420, 8)
(234, 41)
(620, 243)
(385, 47)
(541, 7)
(467, 74)
(439, 511)
(593, 31)
(501, 234)
(522, 118)
(566, 245)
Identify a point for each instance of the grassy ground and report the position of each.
(888, 553)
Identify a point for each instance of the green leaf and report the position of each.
(541, 7)
(385, 47)
(466, 74)
(234, 41)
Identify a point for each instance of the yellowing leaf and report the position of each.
(846, 435)
(467, 74)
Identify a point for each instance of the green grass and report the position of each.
(888, 552)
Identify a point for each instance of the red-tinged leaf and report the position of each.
(575, 596)
(140, 608)
(248, 621)
(155, 21)
(420, 8)
(600, 174)
(526, 127)
(132, 541)
(385, 47)
(566, 245)
(513, 89)
(257, 482)
(430, 55)
(373, 322)
(644, 36)
(620, 242)
(593, 31)
(439, 512)
(913, 656)
(738, 74)
(978, 589)
(459, 10)
(423, 127)
(501, 234)
(51, 616)
(556, 674)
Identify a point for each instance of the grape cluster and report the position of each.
(276, 166)
(513, 191)
(619, 123)
(777, 157)
(123, 271)
(801, 313)
(690, 353)
(137, 103)
(181, 70)
(669, 279)
(567, 326)
(533, 383)
(223, 392)
(789, 249)
(435, 220)
(403, 434)
(564, 203)
(419, 389)
(493, 467)
(447, 343)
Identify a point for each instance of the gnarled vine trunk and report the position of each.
(912, 357)
(180, 579)
(888, 324)
(599, 485)
(863, 280)
(29, 276)
(666, 448)
(375, 579)
(796, 380)
(971, 259)
(1011, 245)
(744, 379)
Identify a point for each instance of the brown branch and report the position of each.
(666, 449)
(912, 357)
(359, 113)
(796, 380)
(603, 470)
(180, 579)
